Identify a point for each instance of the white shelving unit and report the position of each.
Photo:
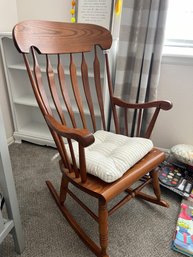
(12, 223)
(28, 121)
(29, 124)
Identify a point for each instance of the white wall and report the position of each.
(44, 10)
(176, 84)
(8, 14)
(8, 17)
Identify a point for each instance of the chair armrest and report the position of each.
(139, 128)
(83, 136)
(164, 105)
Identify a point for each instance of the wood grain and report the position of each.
(58, 37)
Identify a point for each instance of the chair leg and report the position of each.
(156, 186)
(103, 227)
(155, 183)
(80, 232)
(63, 191)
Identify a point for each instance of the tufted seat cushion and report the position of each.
(111, 155)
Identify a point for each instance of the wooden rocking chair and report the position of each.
(98, 162)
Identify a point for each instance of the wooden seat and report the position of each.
(49, 50)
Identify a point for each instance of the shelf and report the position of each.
(26, 100)
(6, 34)
(34, 133)
(20, 66)
(31, 101)
(36, 130)
(12, 223)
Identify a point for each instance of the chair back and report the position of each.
(65, 64)
(68, 67)
(61, 71)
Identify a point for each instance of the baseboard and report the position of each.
(10, 140)
(165, 150)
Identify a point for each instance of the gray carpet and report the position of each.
(137, 229)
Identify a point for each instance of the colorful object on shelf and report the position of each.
(118, 7)
(72, 11)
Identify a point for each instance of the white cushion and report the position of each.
(183, 153)
(111, 155)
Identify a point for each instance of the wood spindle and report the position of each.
(155, 182)
(76, 90)
(98, 87)
(92, 214)
(82, 163)
(152, 123)
(60, 148)
(53, 91)
(73, 158)
(85, 81)
(40, 91)
(139, 122)
(45, 108)
(126, 121)
(110, 86)
(119, 204)
(63, 189)
(64, 152)
(64, 91)
(103, 226)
